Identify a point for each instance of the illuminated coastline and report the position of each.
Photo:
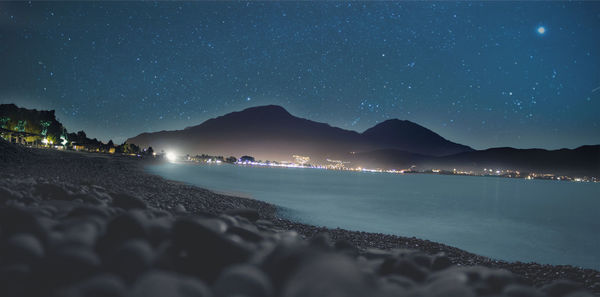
(485, 172)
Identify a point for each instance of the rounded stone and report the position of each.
(516, 290)
(327, 275)
(561, 288)
(248, 213)
(102, 285)
(440, 261)
(125, 226)
(22, 248)
(161, 284)
(132, 258)
(206, 248)
(51, 191)
(127, 201)
(243, 280)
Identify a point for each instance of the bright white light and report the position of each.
(45, 141)
(541, 30)
(171, 156)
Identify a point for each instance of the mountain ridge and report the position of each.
(272, 133)
(405, 130)
(273, 124)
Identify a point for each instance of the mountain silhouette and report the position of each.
(581, 161)
(272, 133)
(410, 137)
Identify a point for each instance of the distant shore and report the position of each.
(126, 174)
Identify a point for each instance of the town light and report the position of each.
(171, 156)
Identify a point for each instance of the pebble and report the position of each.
(131, 258)
(127, 201)
(101, 285)
(22, 248)
(243, 280)
(247, 213)
(163, 284)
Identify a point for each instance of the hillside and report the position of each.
(272, 133)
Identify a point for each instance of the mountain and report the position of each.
(271, 133)
(410, 137)
(386, 159)
(582, 161)
(265, 132)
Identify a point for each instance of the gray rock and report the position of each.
(7, 194)
(18, 219)
(516, 290)
(180, 208)
(22, 248)
(125, 226)
(132, 258)
(51, 191)
(75, 263)
(440, 261)
(245, 233)
(248, 213)
(127, 201)
(447, 288)
(330, 275)
(561, 288)
(163, 284)
(404, 267)
(243, 280)
(80, 231)
(206, 248)
(102, 285)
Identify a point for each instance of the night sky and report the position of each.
(481, 74)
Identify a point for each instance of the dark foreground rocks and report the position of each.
(63, 239)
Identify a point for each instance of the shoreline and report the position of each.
(289, 216)
(127, 174)
(574, 179)
(537, 274)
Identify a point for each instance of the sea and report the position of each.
(543, 221)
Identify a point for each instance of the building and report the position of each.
(246, 159)
(77, 146)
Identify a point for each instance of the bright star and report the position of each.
(541, 30)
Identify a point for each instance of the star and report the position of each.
(541, 30)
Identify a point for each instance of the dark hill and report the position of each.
(270, 132)
(410, 137)
(265, 132)
(584, 160)
(386, 159)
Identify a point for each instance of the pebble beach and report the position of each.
(84, 224)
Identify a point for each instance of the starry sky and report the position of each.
(484, 74)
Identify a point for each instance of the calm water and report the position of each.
(547, 222)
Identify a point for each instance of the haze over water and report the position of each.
(548, 222)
